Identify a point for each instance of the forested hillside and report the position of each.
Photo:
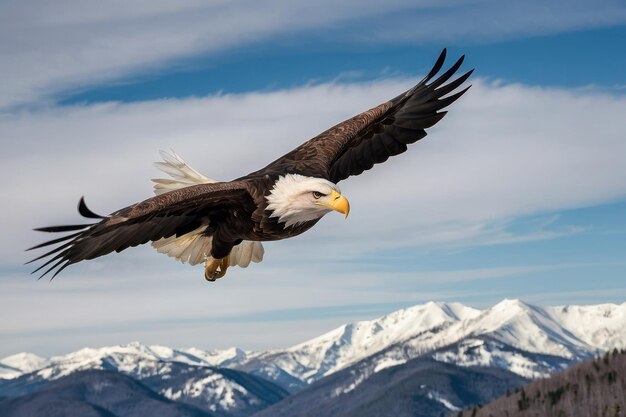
(592, 388)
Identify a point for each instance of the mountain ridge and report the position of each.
(97, 393)
(544, 330)
(526, 340)
(570, 331)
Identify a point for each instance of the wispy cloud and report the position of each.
(47, 48)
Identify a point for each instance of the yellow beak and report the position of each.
(338, 203)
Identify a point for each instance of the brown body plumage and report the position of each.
(238, 210)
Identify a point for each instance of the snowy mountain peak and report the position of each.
(417, 330)
(510, 303)
(527, 327)
(601, 326)
(428, 315)
(131, 358)
(20, 363)
(24, 361)
(225, 357)
(347, 344)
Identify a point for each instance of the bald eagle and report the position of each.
(199, 220)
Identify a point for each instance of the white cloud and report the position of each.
(503, 152)
(50, 47)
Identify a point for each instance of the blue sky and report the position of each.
(520, 192)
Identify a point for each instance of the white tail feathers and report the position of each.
(246, 252)
(194, 248)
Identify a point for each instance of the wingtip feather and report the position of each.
(85, 211)
(438, 64)
(58, 271)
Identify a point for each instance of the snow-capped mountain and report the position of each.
(570, 333)
(20, 363)
(350, 343)
(602, 326)
(191, 376)
(528, 340)
(135, 359)
(521, 340)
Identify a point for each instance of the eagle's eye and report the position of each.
(317, 195)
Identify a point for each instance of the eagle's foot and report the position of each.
(216, 269)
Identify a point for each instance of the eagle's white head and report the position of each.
(297, 199)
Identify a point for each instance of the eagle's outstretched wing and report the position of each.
(371, 137)
(171, 214)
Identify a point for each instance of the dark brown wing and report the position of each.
(371, 137)
(174, 213)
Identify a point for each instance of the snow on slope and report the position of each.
(187, 375)
(525, 327)
(134, 359)
(223, 358)
(20, 363)
(570, 333)
(485, 352)
(339, 348)
(602, 326)
(511, 335)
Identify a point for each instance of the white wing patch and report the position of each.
(194, 248)
(183, 175)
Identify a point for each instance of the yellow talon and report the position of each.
(216, 269)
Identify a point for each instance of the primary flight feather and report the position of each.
(199, 220)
